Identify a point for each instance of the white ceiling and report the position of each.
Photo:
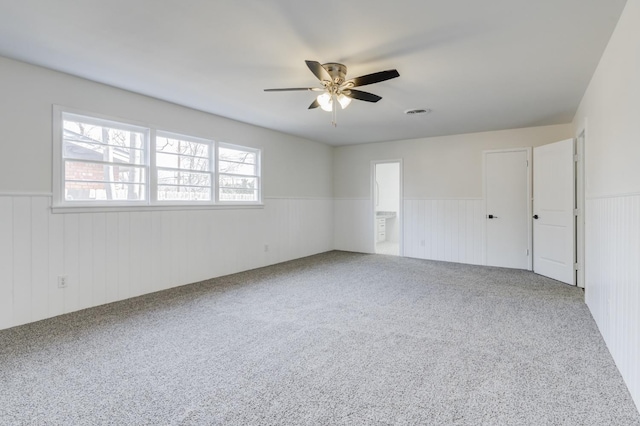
(479, 65)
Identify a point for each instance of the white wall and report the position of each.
(442, 184)
(293, 167)
(611, 111)
(112, 256)
(434, 168)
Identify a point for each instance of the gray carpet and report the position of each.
(338, 338)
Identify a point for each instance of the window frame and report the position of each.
(151, 202)
(212, 172)
(59, 162)
(258, 176)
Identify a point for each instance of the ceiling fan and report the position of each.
(337, 89)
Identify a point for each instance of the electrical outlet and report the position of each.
(266, 247)
(62, 281)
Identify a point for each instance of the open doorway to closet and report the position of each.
(387, 196)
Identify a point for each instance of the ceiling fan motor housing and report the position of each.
(338, 72)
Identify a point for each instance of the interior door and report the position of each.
(553, 204)
(508, 211)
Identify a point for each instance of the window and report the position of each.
(183, 167)
(104, 162)
(239, 173)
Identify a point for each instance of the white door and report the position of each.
(553, 203)
(508, 208)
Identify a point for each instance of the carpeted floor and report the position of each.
(337, 338)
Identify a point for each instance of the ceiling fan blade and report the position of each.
(361, 96)
(314, 104)
(376, 77)
(289, 89)
(318, 70)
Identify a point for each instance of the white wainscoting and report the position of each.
(442, 229)
(450, 230)
(612, 287)
(353, 225)
(117, 255)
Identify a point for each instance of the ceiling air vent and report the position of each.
(419, 111)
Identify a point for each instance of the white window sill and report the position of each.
(155, 207)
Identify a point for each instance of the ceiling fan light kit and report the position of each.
(327, 101)
(337, 89)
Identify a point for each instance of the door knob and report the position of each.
(535, 216)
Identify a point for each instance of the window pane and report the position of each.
(79, 171)
(238, 182)
(237, 168)
(89, 181)
(172, 177)
(233, 188)
(92, 191)
(182, 162)
(101, 143)
(238, 156)
(106, 153)
(176, 146)
(179, 193)
(227, 194)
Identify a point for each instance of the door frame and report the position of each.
(372, 234)
(580, 205)
(528, 150)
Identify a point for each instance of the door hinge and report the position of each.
(576, 158)
(576, 266)
(576, 212)
(527, 252)
(527, 163)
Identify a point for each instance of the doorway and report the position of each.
(387, 196)
(507, 194)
